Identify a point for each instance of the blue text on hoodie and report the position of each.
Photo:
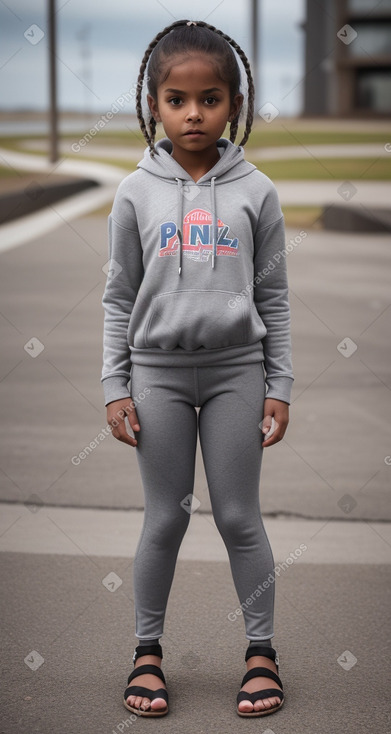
(197, 272)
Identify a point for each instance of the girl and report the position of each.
(197, 315)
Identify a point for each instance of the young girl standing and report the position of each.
(197, 311)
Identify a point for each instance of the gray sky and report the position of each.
(116, 34)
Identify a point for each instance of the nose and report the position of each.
(193, 113)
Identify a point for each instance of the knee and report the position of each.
(236, 528)
(168, 530)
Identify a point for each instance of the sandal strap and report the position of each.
(264, 672)
(264, 651)
(146, 692)
(260, 695)
(142, 650)
(141, 669)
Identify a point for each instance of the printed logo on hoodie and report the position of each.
(197, 237)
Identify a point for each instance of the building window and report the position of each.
(373, 90)
(367, 6)
(373, 38)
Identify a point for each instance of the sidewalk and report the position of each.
(282, 152)
(362, 194)
(69, 529)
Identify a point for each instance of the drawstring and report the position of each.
(214, 222)
(180, 220)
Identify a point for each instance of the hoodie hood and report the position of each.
(203, 316)
(230, 167)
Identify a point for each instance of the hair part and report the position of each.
(185, 36)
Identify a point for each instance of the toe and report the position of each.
(245, 707)
(260, 704)
(158, 704)
(265, 703)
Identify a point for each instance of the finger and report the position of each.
(266, 424)
(272, 440)
(121, 434)
(273, 427)
(133, 420)
(277, 436)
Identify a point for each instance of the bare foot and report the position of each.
(148, 680)
(259, 684)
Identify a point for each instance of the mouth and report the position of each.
(194, 133)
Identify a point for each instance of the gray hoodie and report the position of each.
(197, 272)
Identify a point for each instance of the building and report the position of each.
(347, 58)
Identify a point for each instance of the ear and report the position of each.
(152, 104)
(236, 107)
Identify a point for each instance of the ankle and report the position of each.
(148, 660)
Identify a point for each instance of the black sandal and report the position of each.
(140, 651)
(270, 653)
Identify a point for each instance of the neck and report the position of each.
(197, 164)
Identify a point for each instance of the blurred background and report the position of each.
(69, 135)
(71, 497)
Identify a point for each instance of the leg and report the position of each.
(230, 438)
(166, 457)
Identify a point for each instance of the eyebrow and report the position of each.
(204, 91)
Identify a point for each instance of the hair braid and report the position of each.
(149, 135)
(149, 128)
(250, 102)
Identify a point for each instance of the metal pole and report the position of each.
(53, 112)
(255, 49)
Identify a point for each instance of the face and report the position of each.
(194, 105)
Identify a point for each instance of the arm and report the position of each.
(272, 303)
(123, 281)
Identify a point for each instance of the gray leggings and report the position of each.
(231, 408)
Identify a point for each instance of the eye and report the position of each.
(175, 101)
(210, 100)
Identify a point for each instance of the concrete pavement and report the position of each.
(69, 525)
(339, 435)
(97, 149)
(365, 195)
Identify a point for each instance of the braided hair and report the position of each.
(185, 36)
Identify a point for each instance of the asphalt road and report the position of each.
(68, 635)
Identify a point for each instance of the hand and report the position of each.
(116, 414)
(279, 410)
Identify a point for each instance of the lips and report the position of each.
(194, 132)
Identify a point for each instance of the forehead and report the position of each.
(193, 71)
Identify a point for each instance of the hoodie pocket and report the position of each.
(193, 319)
